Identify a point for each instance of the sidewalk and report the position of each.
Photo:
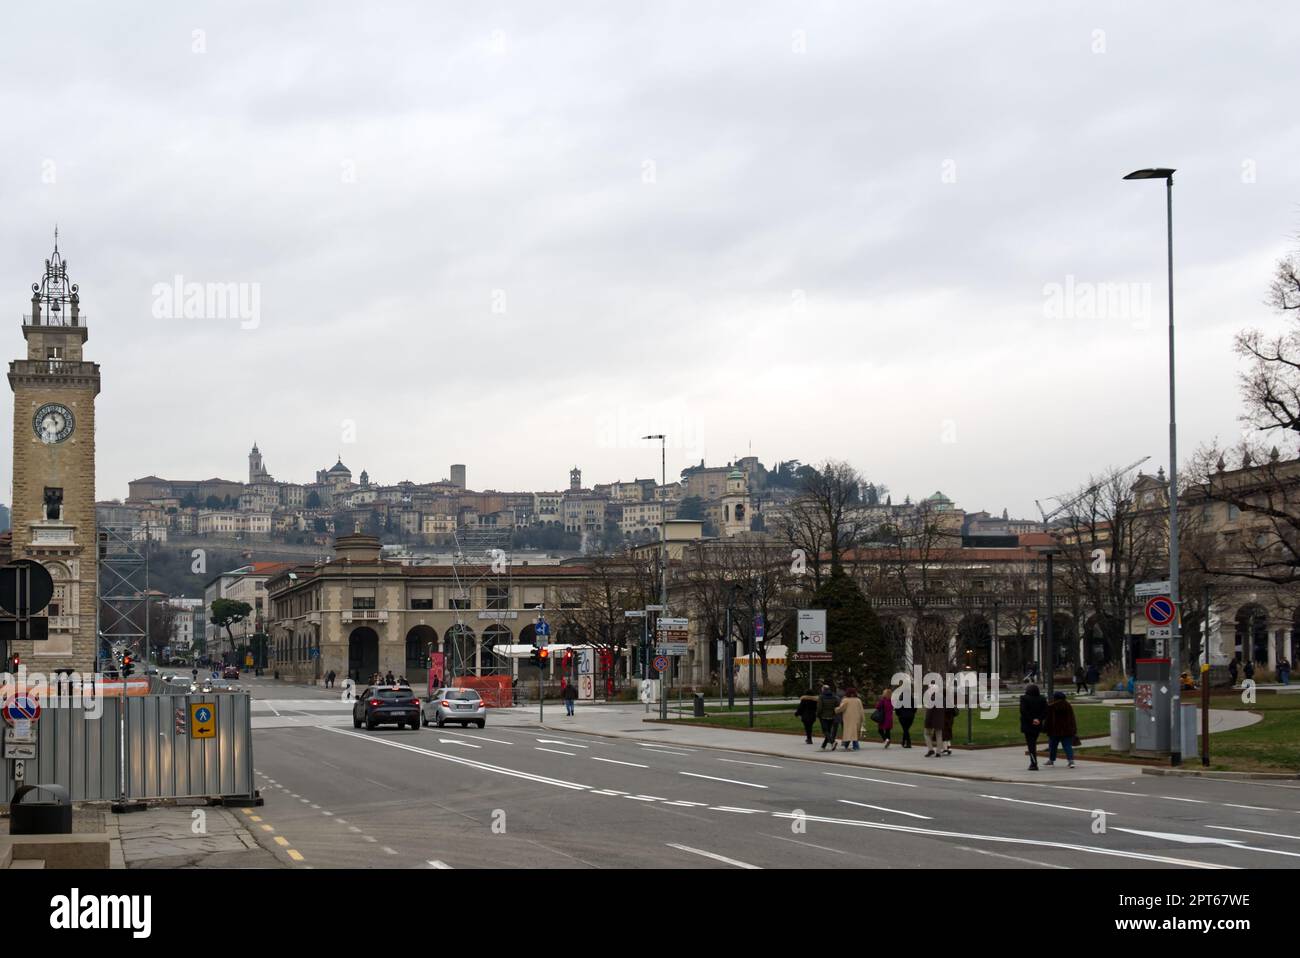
(989, 764)
(165, 836)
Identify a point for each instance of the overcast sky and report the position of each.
(521, 236)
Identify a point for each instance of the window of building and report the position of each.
(363, 602)
(498, 597)
(458, 603)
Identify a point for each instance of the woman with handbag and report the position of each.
(1061, 728)
(883, 716)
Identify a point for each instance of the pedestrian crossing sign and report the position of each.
(203, 720)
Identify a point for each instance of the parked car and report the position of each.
(386, 705)
(454, 705)
(230, 672)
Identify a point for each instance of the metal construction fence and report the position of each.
(139, 748)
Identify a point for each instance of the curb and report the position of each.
(1225, 776)
(966, 776)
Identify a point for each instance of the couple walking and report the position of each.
(1056, 719)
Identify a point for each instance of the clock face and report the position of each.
(53, 423)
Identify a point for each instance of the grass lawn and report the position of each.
(1093, 720)
(1271, 745)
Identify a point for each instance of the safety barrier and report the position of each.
(138, 748)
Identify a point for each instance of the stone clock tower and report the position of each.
(54, 469)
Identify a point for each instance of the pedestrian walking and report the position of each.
(1249, 670)
(852, 713)
(906, 715)
(1233, 667)
(1079, 685)
(1092, 678)
(827, 715)
(1061, 728)
(883, 716)
(806, 712)
(1284, 671)
(1033, 712)
(570, 695)
(388, 677)
(949, 716)
(933, 731)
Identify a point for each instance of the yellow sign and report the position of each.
(203, 720)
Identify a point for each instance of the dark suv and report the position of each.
(386, 705)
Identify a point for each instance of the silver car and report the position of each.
(454, 705)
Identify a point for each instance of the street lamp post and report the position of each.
(1175, 733)
(663, 542)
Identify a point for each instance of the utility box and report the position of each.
(699, 705)
(1190, 727)
(1121, 730)
(1152, 698)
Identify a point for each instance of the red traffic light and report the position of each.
(543, 654)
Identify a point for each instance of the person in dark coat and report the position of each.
(827, 702)
(933, 731)
(1249, 670)
(1233, 667)
(949, 716)
(807, 713)
(1079, 685)
(1033, 713)
(1061, 728)
(570, 695)
(906, 715)
(1092, 678)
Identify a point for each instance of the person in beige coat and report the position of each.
(851, 713)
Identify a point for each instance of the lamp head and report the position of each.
(1154, 173)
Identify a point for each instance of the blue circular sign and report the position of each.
(542, 628)
(203, 714)
(1160, 610)
(661, 663)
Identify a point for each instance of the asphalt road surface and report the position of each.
(511, 795)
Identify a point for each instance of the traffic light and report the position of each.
(532, 657)
(543, 656)
(127, 665)
(14, 662)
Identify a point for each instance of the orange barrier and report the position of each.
(493, 689)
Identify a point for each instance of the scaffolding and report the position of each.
(482, 557)
(123, 605)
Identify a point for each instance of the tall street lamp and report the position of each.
(663, 511)
(1175, 733)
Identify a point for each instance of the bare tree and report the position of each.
(826, 518)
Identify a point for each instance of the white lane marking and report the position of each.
(696, 804)
(562, 741)
(1002, 839)
(653, 798)
(305, 801)
(437, 864)
(389, 850)
(680, 748)
(369, 838)
(714, 778)
(1010, 858)
(323, 812)
(1184, 839)
(371, 780)
(353, 828)
(456, 741)
(640, 798)
(553, 751)
(597, 758)
(614, 791)
(681, 804)
(738, 811)
(716, 858)
(601, 791)
(782, 838)
(882, 808)
(273, 708)
(456, 759)
(881, 781)
(1251, 831)
(1067, 808)
(756, 764)
(498, 741)
(317, 807)
(1253, 808)
(1194, 801)
(295, 794)
(666, 752)
(341, 821)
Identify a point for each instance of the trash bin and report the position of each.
(41, 818)
(699, 705)
(1121, 729)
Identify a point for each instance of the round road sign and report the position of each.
(39, 586)
(1160, 610)
(21, 708)
(661, 663)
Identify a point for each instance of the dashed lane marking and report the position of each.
(554, 751)
(1251, 831)
(717, 858)
(282, 841)
(441, 865)
(295, 855)
(756, 764)
(863, 778)
(597, 758)
(1066, 808)
(714, 778)
(882, 808)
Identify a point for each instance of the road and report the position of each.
(516, 795)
